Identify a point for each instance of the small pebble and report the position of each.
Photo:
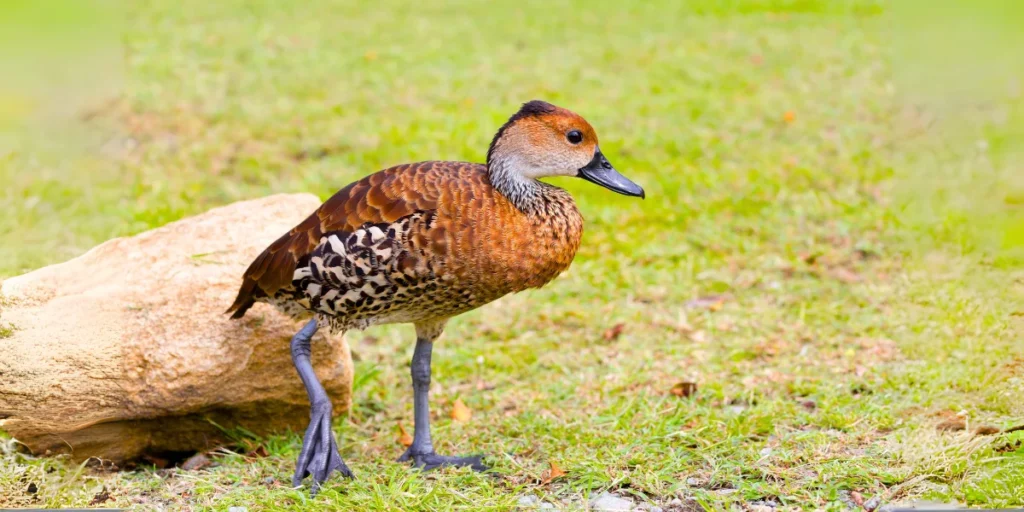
(933, 505)
(238, 509)
(657, 509)
(196, 462)
(528, 501)
(845, 499)
(872, 503)
(547, 506)
(608, 502)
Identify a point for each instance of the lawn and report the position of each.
(829, 264)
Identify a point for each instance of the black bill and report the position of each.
(601, 172)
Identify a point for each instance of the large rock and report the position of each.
(125, 351)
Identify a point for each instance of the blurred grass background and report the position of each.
(960, 129)
(831, 247)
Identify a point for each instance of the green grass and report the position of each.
(873, 289)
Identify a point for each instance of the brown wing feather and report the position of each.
(385, 196)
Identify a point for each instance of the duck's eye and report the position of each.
(574, 136)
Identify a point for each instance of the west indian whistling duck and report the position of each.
(420, 243)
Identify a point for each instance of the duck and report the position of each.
(421, 243)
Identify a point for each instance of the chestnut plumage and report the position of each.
(442, 223)
(420, 243)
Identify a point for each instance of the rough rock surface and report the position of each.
(125, 350)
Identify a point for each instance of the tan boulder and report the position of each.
(126, 351)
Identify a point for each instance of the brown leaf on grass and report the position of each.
(810, 258)
(101, 497)
(258, 452)
(404, 438)
(460, 412)
(952, 425)
(986, 430)
(614, 332)
(787, 270)
(943, 414)
(97, 464)
(857, 498)
(1008, 447)
(509, 410)
(684, 389)
(157, 462)
(712, 302)
(846, 275)
(1013, 429)
(553, 473)
(196, 462)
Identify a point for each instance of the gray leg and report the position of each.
(421, 452)
(319, 456)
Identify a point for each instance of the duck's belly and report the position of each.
(363, 307)
(412, 308)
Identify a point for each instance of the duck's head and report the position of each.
(542, 140)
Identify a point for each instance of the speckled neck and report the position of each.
(527, 194)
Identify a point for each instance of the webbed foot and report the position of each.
(431, 460)
(319, 456)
